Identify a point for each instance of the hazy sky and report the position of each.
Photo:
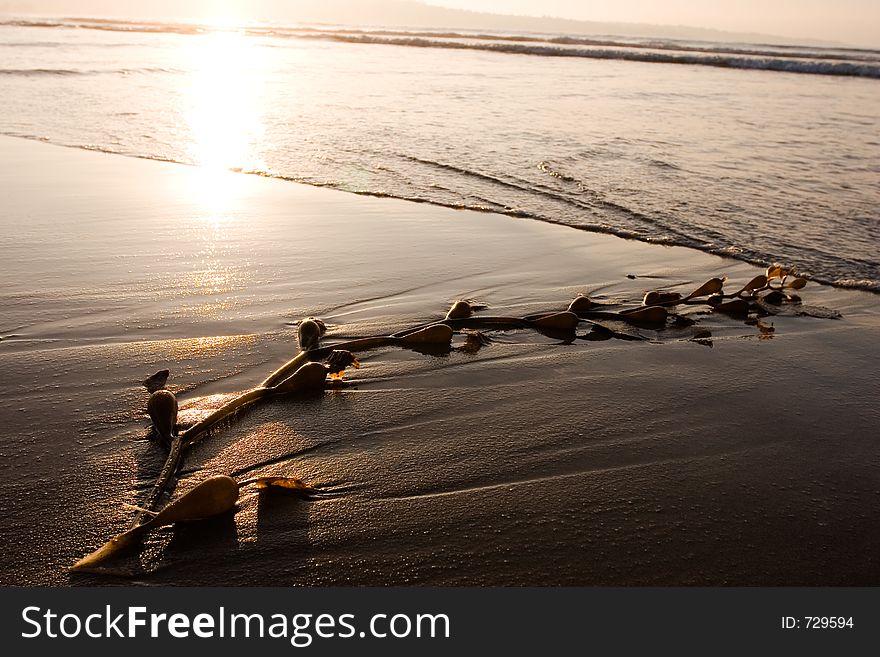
(853, 21)
(856, 21)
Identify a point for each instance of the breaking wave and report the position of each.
(850, 62)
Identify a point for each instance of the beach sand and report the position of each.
(747, 459)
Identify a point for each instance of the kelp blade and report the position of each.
(111, 548)
(289, 483)
(434, 334)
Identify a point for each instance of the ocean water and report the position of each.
(761, 153)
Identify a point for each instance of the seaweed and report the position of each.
(307, 373)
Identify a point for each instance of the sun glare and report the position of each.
(225, 108)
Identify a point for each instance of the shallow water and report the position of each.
(762, 165)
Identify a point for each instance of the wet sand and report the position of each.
(744, 459)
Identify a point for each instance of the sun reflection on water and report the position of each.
(225, 111)
(223, 102)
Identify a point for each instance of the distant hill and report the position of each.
(373, 13)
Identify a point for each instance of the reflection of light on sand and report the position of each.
(215, 190)
(206, 347)
(206, 309)
(213, 278)
(225, 115)
(225, 98)
(210, 281)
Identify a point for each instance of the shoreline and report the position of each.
(862, 285)
(529, 462)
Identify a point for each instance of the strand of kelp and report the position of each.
(308, 370)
